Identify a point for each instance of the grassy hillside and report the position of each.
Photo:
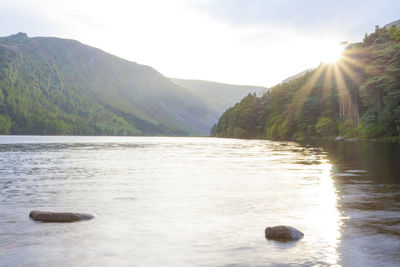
(58, 86)
(358, 97)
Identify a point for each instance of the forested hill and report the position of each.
(59, 86)
(358, 97)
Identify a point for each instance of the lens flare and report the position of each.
(331, 53)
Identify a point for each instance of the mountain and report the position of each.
(298, 75)
(357, 97)
(58, 86)
(218, 96)
(394, 23)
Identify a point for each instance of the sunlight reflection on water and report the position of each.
(166, 202)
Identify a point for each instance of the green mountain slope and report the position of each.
(358, 97)
(58, 86)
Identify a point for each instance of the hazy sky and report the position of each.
(259, 42)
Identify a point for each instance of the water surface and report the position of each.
(196, 202)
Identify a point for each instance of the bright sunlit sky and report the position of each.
(257, 42)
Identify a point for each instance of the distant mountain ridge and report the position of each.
(298, 75)
(219, 96)
(58, 86)
(394, 23)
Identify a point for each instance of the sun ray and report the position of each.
(342, 89)
(328, 79)
(306, 89)
(348, 59)
(349, 72)
(308, 86)
(328, 76)
(353, 98)
(298, 101)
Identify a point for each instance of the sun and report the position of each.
(331, 53)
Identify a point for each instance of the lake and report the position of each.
(164, 201)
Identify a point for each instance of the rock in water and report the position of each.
(283, 233)
(340, 138)
(48, 216)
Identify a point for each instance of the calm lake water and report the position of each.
(198, 202)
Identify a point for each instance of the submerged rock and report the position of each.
(283, 233)
(48, 216)
(340, 138)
